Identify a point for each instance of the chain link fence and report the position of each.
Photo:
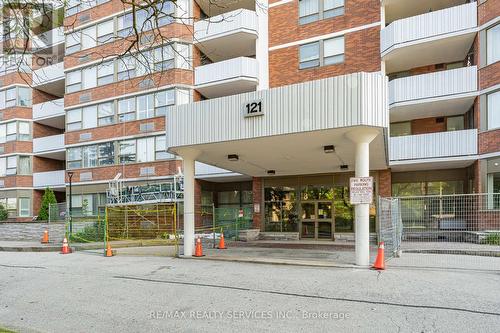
(390, 226)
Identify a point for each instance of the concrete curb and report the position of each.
(491, 253)
(49, 248)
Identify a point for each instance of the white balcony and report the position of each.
(228, 35)
(437, 37)
(450, 149)
(50, 147)
(49, 38)
(50, 113)
(52, 179)
(443, 93)
(50, 79)
(229, 77)
(213, 173)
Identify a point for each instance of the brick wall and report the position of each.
(362, 53)
(115, 131)
(489, 75)
(17, 147)
(427, 125)
(41, 96)
(15, 78)
(16, 112)
(385, 183)
(42, 164)
(94, 13)
(257, 199)
(40, 131)
(489, 142)
(487, 11)
(18, 181)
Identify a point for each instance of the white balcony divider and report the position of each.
(437, 84)
(49, 73)
(48, 109)
(427, 25)
(433, 145)
(242, 67)
(48, 143)
(49, 38)
(225, 24)
(49, 178)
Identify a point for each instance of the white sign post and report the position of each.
(361, 190)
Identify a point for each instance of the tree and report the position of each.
(48, 199)
(3, 213)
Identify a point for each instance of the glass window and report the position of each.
(333, 8)
(11, 131)
(161, 147)
(24, 165)
(73, 42)
(88, 39)
(146, 150)
(24, 96)
(73, 81)
(89, 156)
(24, 207)
(105, 32)
(10, 97)
(74, 119)
(89, 116)
(126, 109)
(163, 58)
(309, 55)
(106, 153)
(308, 11)
(400, 129)
(3, 133)
(145, 106)
(162, 100)
(494, 110)
(105, 114)
(333, 51)
(125, 25)
(3, 167)
(74, 157)
(11, 165)
(2, 99)
(24, 131)
(126, 68)
(493, 44)
(183, 56)
(127, 151)
(89, 79)
(105, 73)
(72, 7)
(455, 123)
(165, 13)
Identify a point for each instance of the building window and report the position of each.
(15, 131)
(314, 10)
(146, 150)
(24, 207)
(88, 37)
(126, 68)
(106, 153)
(400, 129)
(10, 97)
(127, 151)
(126, 109)
(105, 114)
(24, 165)
(74, 119)
(322, 53)
(11, 131)
(145, 106)
(75, 6)
(74, 157)
(89, 116)
(125, 25)
(105, 32)
(73, 81)
(105, 73)
(161, 149)
(164, 58)
(493, 44)
(455, 123)
(493, 107)
(11, 165)
(162, 100)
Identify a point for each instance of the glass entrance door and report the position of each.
(316, 220)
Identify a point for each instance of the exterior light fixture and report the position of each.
(233, 157)
(344, 167)
(271, 172)
(329, 149)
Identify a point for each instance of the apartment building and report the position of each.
(261, 100)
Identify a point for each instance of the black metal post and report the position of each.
(70, 176)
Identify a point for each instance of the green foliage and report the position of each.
(91, 233)
(3, 213)
(48, 199)
(493, 239)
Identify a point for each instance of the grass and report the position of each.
(493, 239)
(4, 330)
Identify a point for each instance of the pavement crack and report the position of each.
(282, 293)
(19, 266)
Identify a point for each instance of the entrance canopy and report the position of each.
(287, 130)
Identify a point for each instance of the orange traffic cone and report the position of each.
(109, 252)
(65, 248)
(198, 252)
(222, 244)
(380, 261)
(45, 238)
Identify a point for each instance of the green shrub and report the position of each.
(3, 213)
(48, 199)
(90, 233)
(493, 239)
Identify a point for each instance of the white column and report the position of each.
(362, 138)
(262, 43)
(188, 162)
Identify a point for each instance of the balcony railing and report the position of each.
(48, 74)
(242, 67)
(241, 20)
(438, 84)
(48, 109)
(433, 145)
(48, 143)
(49, 179)
(433, 24)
